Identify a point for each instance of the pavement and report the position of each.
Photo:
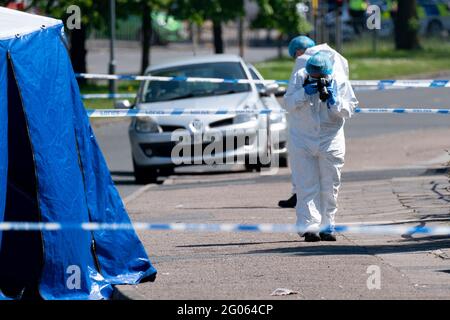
(393, 175)
(389, 179)
(394, 178)
(408, 135)
(252, 265)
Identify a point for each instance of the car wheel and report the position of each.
(434, 28)
(165, 172)
(252, 167)
(144, 175)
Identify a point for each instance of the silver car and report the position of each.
(160, 143)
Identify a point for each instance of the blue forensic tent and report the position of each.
(52, 170)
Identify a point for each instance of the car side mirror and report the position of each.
(123, 104)
(281, 91)
(269, 89)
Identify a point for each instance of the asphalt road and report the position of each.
(366, 125)
(128, 55)
(113, 138)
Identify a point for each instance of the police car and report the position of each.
(434, 16)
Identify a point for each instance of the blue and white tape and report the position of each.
(403, 110)
(107, 96)
(177, 79)
(114, 113)
(227, 227)
(130, 113)
(379, 84)
(93, 96)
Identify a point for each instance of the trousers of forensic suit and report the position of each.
(317, 150)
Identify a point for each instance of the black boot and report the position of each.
(289, 203)
(327, 236)
(311, 237)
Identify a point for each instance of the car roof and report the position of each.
(195, 60)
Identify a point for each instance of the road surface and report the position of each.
(360, 131)
(388, 179)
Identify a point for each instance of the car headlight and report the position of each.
(277, 117)
(242, 118)
(147, 125)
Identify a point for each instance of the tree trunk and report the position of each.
(241, 36)
(280, 46)
(146, 36)
(406, 25)
(78, 50)
(218, 40)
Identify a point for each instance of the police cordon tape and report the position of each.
(429, 83)
(116, 113)
(96, 96)
(176, 79)
(92, 96)
(385, 84)
(226, 227)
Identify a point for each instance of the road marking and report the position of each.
(138, 193)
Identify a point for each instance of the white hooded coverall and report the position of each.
(317, 147)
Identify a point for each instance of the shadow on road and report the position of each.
(122, 173)
(233, 208)
(164, 176)
(236, 244)
(125, 182)
(410, 245)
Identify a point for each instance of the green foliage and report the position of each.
(281, 15)
(198, 11)
(93, 13)
(414, 24)
(127, 7)
(387, 63)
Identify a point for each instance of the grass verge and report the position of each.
(385, 63)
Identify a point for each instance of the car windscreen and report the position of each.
(159, 91)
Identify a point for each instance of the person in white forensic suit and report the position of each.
(320, 100)
(297, 47)
(301, 49)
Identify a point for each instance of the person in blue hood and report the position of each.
(297, 47)
(319, 103)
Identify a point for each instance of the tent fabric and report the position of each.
(3, 138)
(13, 23)
(52, 170)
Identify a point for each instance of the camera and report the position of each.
(322, 85)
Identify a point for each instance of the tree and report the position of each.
(406, 25)
(147, 31)
(218, 11)
(283, 16)
(143, 8)
(93, 14)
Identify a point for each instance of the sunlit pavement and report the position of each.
(390, 163)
